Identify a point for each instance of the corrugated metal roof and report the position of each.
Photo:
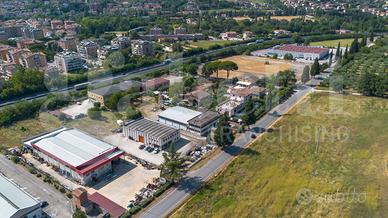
(13, 199)
(73, 146)
(179, 114)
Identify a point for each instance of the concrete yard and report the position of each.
(131, 147)
(75, 110)
(128, 178)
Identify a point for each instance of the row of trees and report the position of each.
(214, 67)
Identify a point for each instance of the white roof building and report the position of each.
(15, 202)
(178, 117)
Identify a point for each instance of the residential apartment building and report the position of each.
(121, 42)
(68, 61)
(68, 44)
(142, 48)
(88, 49)
(32, 33)
(33, 60)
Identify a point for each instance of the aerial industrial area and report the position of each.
(193, 108)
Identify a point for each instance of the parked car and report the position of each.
(43, 204)
(157, 150)
(149, 149)
(253, 136)
(141, 147)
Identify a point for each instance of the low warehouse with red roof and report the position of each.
(299, 51)
(76, 154)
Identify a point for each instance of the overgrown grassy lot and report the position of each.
(13, 135)
(285, 174)
(333, 43)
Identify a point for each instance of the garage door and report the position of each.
(141, 138)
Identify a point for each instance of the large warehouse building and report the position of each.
(77, 155)
(151, 133)
(189, 120)
(17, 203)
(298, 51)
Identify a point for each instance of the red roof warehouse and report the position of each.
(299, 51)
(76, 154)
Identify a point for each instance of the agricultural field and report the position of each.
(259, 66)
(326, 158)
(208, 43)
(333, 43)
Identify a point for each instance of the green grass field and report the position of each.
(266, 179)
(206, 44)
(333, 43)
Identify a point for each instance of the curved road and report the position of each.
(195, 179)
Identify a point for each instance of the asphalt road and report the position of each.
(58, 204)
(195, 179)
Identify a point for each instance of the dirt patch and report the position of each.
(259, 66)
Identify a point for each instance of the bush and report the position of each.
(162, 189)
(134, 210)
(144, 203)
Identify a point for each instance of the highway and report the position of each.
(195, 179)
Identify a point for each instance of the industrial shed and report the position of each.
(178, 117)
(76, 154)
(151, 133)
(15, 202)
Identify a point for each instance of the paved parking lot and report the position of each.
(58, 204)
(132, 147)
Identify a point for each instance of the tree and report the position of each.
(79, 214)
(228, 66)
(371, 36)
(188, 83)
(113, 100)
(131, 113)
(190, 69)
(288, 56)
(223, 135)
(115, 60)
(249, 113)
(305, 74)
(177, 47)
(338, 51)
(354, 47)
(330, 58)
(172, 169)
(337, 83)
(315, 68)
(363, 41)
(285, 78)
(94, 113)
